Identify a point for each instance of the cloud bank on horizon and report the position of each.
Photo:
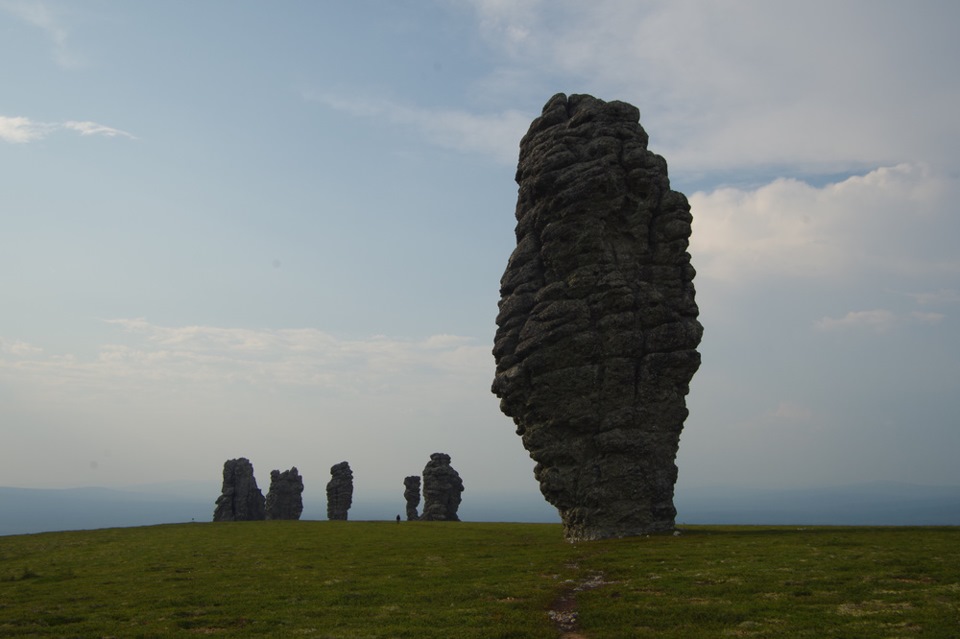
(280, 234)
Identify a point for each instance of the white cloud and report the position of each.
(92, 128)
(927, 318)
(878, 320)
(497, 135)
(508, 21)
(819, 99)
(39, 15)
(381, 402)
(19, 348)
(792, 411)
(889, 221)
(19, 129)
(826, 94)
(214, 357)
(939, 297)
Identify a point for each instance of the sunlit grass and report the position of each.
(423, 579)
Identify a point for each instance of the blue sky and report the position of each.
(276, 230)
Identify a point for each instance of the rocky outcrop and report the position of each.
(339, 491)
(411, 492)
(284, 499)
(597, 331)
(442, 488)
(240, 499)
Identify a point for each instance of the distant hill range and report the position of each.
(29, 510)
(869, 504)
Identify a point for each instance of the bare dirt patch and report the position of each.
(563, 610)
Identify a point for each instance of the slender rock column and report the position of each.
(411, 494)
(339, 491)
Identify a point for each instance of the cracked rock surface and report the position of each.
(597, 330)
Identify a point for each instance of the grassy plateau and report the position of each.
(453, 580)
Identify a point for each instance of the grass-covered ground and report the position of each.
(452, 580)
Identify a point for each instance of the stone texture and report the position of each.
(442, 488)
(240, 499)
(597, 331)
(284, 499)
(411, 492)
(339, 491)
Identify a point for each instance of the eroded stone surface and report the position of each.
(411, 493)
(240, 499)
(442, 489)
(339, 491)
(597, 330)
(285, 497)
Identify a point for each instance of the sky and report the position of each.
(276, 230)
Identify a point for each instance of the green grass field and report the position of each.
(452, 580)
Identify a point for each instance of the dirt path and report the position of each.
(563, 610)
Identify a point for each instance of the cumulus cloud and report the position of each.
(889, 221)
(496, 134)
(20, 130)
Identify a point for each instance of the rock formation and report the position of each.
(339, 491)
(284, 499)
(411, 492)
(240, 499)
(597, 330)
(442, 488)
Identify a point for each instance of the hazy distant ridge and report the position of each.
(30, 510)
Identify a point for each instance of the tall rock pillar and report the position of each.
(339, 491)
(240, 499)
(597, 331)
(442, 490)
(284, 499)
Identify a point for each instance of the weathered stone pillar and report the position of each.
(339, 491)
(597, 330)
(442, 489)
(411, 493)
(240, 499)
(284, 499)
